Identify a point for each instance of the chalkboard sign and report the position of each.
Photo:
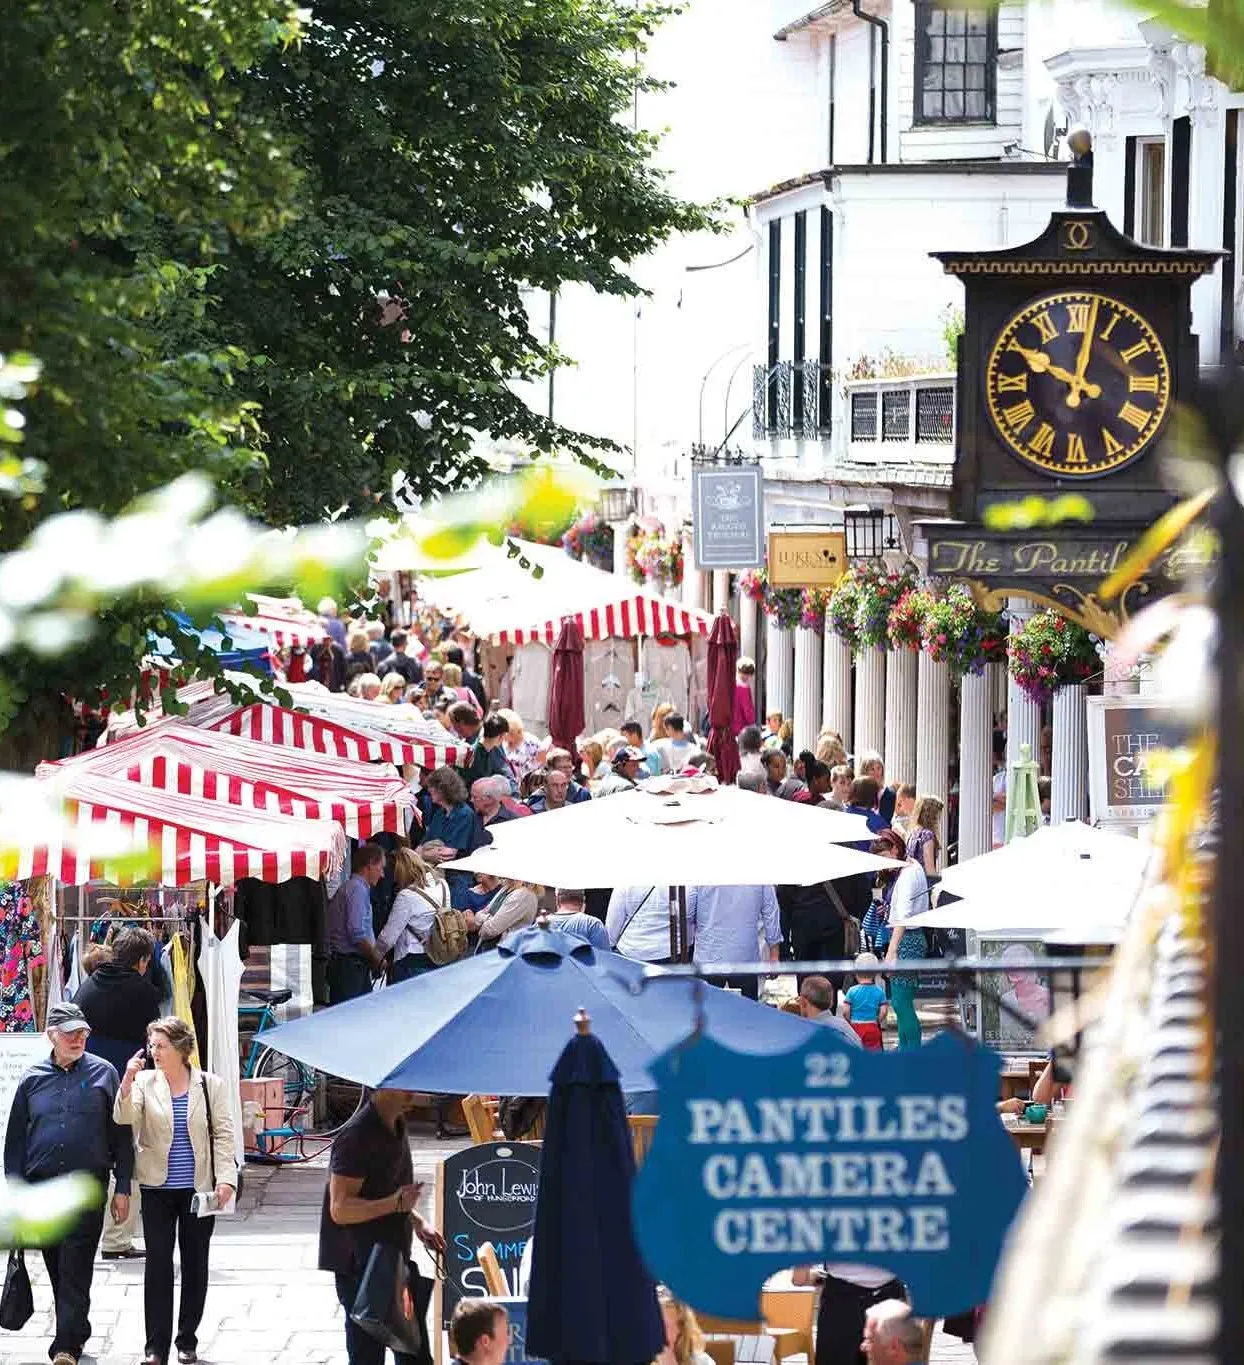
(18, 1053)
(486, 1193)
(945, 943)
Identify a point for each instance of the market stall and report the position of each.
(640, 648)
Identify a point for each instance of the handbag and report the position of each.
(850, 925)
(211, 1144)
(386, 1305)
(17, 1302)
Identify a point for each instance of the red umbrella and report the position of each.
(566, 713)
(723, 653)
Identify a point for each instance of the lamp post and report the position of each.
(616, 505)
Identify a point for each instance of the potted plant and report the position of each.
(1049, 652)
(905, 623)
(959, 633)
(877, 592)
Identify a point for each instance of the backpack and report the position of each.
(447, 939)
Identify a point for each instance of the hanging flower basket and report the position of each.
(957, 632)
(842, 605)
(651, 557)
(815, 605)
(590, 538)
(753, 583)
(785, 605)
(905, 623)
(1050, 652)
(877, 593)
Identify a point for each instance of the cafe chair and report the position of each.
(481, 1119)
(494, 1279)
(788, 1316)
(643, 1129)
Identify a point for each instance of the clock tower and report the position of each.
(1076, 348)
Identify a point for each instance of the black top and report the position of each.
(61, 1121)
(367, 1147)
(118, 1003)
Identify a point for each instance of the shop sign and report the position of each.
(728, 517)
(806, 559)
(486, 1193)
(895, 1160)
(1123, 732)
(970, 552)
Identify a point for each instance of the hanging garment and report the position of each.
(667, 663)
(21, 948)
(293, 911)
(183, 989)
(74, 979)
(221, 969)
(608, 676)
(531, 672)
(56, 970)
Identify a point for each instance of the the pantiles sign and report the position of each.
(970, 552)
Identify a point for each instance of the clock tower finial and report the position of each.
(1080, 171)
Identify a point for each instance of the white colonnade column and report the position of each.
(620, 529)
(779, 669)
(869, 701)
(807, 702)
(933, 729)
(1069, 784)
(721, 590)
(975, 767)
(693, 593)
(1023, 715)
(900, 715)
(749, 611)
(836, 708)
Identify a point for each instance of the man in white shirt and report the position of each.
(638, 923)
(730, 921)
(676, 746)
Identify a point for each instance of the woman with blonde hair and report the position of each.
(422, 893)
(659, 712)
(513, 907)
(392, 688)
(183, 1139)
(522, 750)
(829, 749)
(592, 752)
(922, 842)
(684, 1341)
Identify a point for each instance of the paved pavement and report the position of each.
(268, 1304)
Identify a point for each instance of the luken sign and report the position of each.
(828, 1153)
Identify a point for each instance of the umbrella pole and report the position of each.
(673, 904)
(682, 924)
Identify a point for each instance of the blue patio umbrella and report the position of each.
(591, 1299)
(495, 1023)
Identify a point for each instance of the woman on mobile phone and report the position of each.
(183, 1140)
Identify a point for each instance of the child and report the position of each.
(772, 738)
(864, 1005)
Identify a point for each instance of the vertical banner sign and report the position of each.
(895, 1160)
(729, 517)
(1122, 733)
(486, 1193)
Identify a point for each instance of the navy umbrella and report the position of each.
(591, 1300)
(495, 1023)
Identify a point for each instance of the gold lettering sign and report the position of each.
(806, 559)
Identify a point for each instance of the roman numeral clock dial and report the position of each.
(1077, 384)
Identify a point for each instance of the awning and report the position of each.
(190, 839)
(503, 602)
(364, 798)
(280, 630)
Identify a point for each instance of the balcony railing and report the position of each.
(791, 400)
(909, 419)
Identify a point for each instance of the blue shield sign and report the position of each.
(829, 1153)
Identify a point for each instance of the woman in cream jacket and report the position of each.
(178, 1152)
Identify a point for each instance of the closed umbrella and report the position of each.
(566, 709)
(723, 654)
(494, 1024)
(591, 1299)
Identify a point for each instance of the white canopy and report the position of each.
(1061, 876)
(723, 837)
(505, 603)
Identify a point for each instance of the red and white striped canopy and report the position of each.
(281, 630)
(504, 603)
(190, 839)
(363, 797)
(340, 726)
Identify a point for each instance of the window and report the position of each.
(1151, 191)
(956, 61)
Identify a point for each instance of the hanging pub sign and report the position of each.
(729, 522)
(895, 1160)
(1123, 734)
(806, 559)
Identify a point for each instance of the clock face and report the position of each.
(1077, 384)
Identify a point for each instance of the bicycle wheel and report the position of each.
(343, 1099)
(297, 1080)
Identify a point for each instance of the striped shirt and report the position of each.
(181, 1153)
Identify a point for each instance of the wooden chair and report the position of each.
(643, 1129)
(788, 1316)
(926, 1346)
(494, 1279)
(481, 1119)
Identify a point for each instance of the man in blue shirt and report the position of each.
(352, 953)
(61, 1121)
(572, 918)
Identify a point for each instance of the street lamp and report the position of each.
(616, 504)
(870, 532)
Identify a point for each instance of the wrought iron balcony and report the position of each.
(791, 400)
(901, 420)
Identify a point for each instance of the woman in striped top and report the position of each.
(183, 1139)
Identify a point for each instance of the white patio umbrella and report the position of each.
(1061, 876)
(723, 837)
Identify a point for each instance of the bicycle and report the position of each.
(287, 1142)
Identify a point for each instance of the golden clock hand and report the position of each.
(1079, 384)
(1040, 363)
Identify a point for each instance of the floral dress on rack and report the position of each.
(21, 948)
